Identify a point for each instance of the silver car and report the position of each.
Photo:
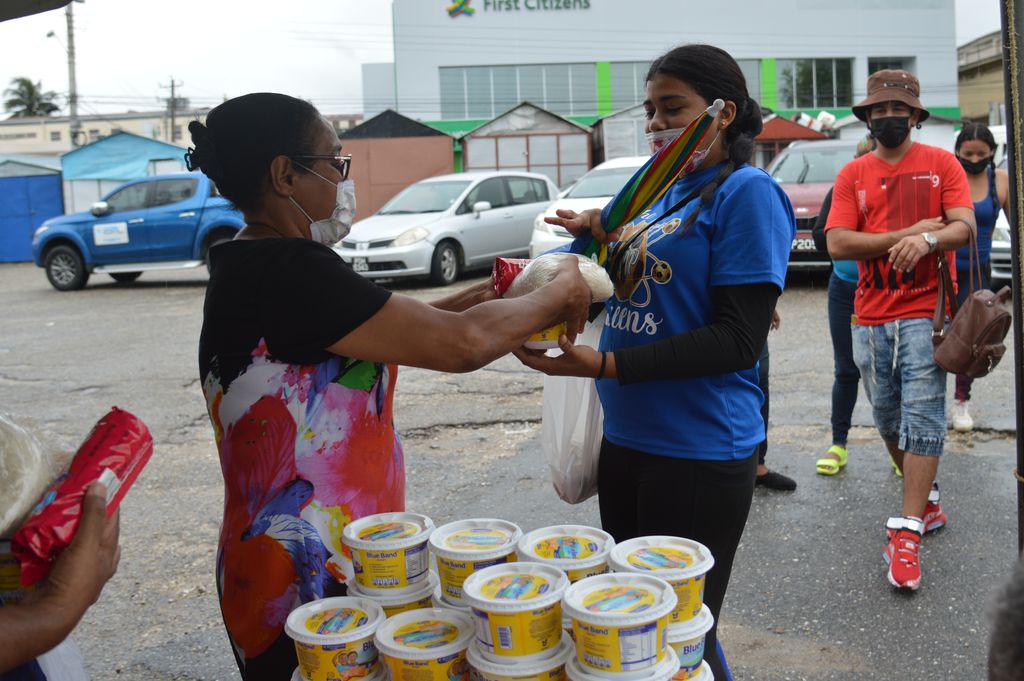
(1002, 266)
(442, 225)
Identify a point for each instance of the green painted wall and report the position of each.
(603, 71)
(769, 84)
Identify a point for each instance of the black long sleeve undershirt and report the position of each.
(732, 342)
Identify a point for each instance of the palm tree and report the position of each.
(25, 98)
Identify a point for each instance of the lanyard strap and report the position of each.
(615, 259)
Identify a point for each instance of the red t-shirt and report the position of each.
(874, 196)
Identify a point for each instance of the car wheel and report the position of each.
(125, 277)
(444, 266)
(65, 268)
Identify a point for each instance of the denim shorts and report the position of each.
(905, 386)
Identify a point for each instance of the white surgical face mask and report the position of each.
(330, 231)
(657, 140)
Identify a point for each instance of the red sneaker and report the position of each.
(933, 518)
(901, 553)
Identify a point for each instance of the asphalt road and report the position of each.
(808, 599)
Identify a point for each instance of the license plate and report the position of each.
(360, 265)
(803, 244)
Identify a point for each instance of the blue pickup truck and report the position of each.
(160, 222)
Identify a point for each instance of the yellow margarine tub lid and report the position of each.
(385, 531)
(479, 539)
(533, 668)
(663, 671)
(514, 587)
(672, 558)
(424, 634)
(566, 546)
(333, 621)
(620, 599)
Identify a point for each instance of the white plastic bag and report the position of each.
(572, 427)
(26, 470)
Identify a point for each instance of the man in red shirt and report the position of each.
(897, 211)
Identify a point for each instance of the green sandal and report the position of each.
(895, 469)
(830, 466)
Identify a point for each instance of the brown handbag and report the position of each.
(972, 345)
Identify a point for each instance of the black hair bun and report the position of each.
(203, 155)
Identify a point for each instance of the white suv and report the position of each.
(594, 190)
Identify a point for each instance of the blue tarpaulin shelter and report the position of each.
(95, 169)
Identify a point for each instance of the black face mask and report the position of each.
(975, 167)
(891, 130)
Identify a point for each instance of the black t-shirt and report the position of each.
(297, 295)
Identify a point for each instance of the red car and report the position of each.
(806, 171)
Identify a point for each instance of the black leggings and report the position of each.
(642, 494)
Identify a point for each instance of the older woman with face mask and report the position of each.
(297, 359)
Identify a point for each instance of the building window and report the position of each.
(489, 91)
(55, 136)
(176, 134)
(17, 136)
(94, 135)
(879, 63)
(815, 83)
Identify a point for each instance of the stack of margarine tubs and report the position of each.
(507, 607)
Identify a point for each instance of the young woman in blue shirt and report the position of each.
(696, 280)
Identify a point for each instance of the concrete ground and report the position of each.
(808, 598)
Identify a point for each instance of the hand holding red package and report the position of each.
(114, 453)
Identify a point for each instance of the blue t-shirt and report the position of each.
(742, 237)
(846, 270)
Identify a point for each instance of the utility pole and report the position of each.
(76, 125)
(172, 105)
(1013, 60)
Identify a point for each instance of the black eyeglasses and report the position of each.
(341, 163)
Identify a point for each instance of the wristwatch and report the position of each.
(930, 239)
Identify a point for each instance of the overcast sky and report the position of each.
(127, 49)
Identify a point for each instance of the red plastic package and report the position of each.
(114, 453)
(505, 272)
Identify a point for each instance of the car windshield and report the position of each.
(600, 183)
(801, 166)
(425, 197)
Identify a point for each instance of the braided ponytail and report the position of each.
(714, 74)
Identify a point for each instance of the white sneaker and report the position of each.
(962, 421)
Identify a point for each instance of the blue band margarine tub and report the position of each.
(400, 600)
(687, 639)
(379, 675)
(426, 645)
(577, 550)
(334, 638)
(662, 671)
(11, 590)
(389, 550)
(683, 563)
(439, 601)
(619, 622)
(466, 546)
(548, 669)
(517, 610)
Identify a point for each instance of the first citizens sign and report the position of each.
(467, 8)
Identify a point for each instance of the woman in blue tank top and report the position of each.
(976, 147)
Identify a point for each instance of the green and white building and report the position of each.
(460, 63)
